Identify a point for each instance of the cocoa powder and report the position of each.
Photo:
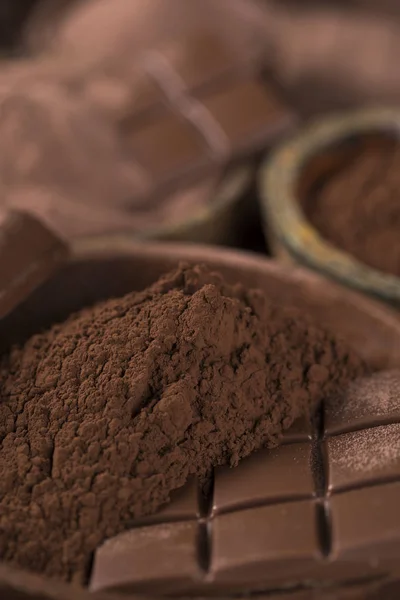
(358, 207)
(103, 415)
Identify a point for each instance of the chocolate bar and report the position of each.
(197, 109)
(29, 254)
(319, 512)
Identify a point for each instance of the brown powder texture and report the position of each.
(358, 208)
(103, 415)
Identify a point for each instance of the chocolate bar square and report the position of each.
(269, 475)
(366, 529)
(363, 457)
(255, 546)
(147, 556)
(367, 403)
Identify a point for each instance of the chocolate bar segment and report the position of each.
(366, 530)
(270, 475)
(367, 403)
(363, 457)
(319, 513)
(29, 254)
(260, 547)
(123, 563)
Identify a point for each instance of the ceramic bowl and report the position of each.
(99, 270)
(292, 169)
(217, 221)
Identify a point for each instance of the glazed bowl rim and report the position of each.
(277, 183)
(226, 193)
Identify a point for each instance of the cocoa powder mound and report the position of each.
(103, 416)
(358, 208)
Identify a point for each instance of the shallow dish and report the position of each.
(100, 269)
(218, 221)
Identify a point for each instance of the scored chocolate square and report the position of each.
(254, 546)
(146, 557)
(269, 475)
(366, 403)
(366, 529)
(363, 457)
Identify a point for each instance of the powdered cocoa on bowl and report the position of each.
(357, 208)
(103, 415)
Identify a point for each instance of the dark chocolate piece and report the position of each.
(29, 254)
(320, 511)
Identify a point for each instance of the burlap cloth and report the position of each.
(60, 104)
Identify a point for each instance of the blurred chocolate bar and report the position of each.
(196, 109)
(141, 143)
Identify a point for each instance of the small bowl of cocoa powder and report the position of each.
(331, 200)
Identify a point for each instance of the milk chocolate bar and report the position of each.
(29, 254)
(319, 512)
(195, 109)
